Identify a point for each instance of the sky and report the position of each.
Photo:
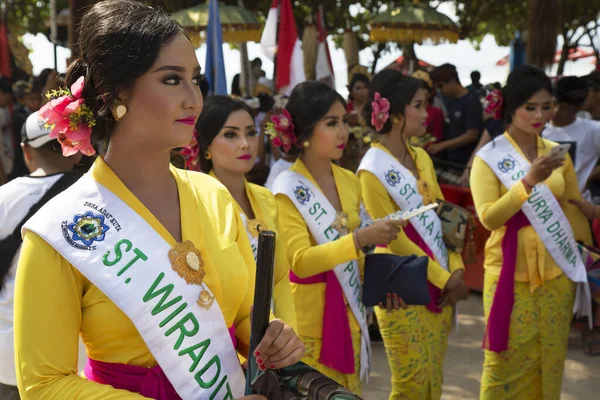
(462, 54)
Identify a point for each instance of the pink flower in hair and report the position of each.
(380, 113)
(70, 119)
(281, 130)
(191, 154)
(493, 104)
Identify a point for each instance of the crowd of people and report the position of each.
(132, 201)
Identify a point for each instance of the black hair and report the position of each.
(358, 77)
(40, 81)
(212, 119)
(397, 88)
(257, 62)
(309, 102)
(235, 86)
(119, 41)
(5, 85)
(571, 90)
(444, 73)
(593, 80)
(475, 76)
(523, 82)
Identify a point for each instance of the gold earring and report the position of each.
(118, 110)
(207, 155)
(306, 144)
(395, 120)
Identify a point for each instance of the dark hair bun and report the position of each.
(119, 41)
(397, 88)
(309, 102)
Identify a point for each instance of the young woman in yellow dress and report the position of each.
(521, 194)
(319, 217)
(143, 260)
(395, 176)
(228, 146)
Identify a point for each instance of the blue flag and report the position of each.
(215, 64)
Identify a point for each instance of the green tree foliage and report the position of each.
(29, 15)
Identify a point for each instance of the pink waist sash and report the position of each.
(498, 325)
(434, 291)
(336, 349)
(149, 382)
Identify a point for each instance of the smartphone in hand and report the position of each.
(560, 151)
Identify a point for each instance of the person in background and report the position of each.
(435, 116)
(493, 126)
(47, 166)
(582, 134)
(591, 337)
(415, 338)
(28, 101)
(476, 85)
(236, 90)
(360, 135)
(358, 94)
(331, 321)
(6, 136)
(465, 113)
(527, 296)
(591, 107)
(228, 144)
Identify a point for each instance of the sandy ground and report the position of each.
(462, 370)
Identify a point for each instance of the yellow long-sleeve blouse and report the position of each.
(55, 303)
(495, 205)
(266, 211)
(379, 204)
(307, 258)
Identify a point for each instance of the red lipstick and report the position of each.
(188, 120)
(341, 146)
(537, 125)
(245, 157)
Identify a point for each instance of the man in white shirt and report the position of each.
(44, 160)
(582, 134)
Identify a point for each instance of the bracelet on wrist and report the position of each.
(527, 184)
(356, 240)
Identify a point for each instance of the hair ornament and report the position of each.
(69, 119)
(282, 131)
(493, 103)
(380, 113)
(190, 154)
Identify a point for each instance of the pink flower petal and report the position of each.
(72, 107)
(384, 104)
(85, 147)
(77, 88)
(82, 132)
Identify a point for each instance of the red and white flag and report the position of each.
(268, 40)
(324, 67)
(286, 46)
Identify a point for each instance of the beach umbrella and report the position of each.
(413, 23)
(238, 24)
